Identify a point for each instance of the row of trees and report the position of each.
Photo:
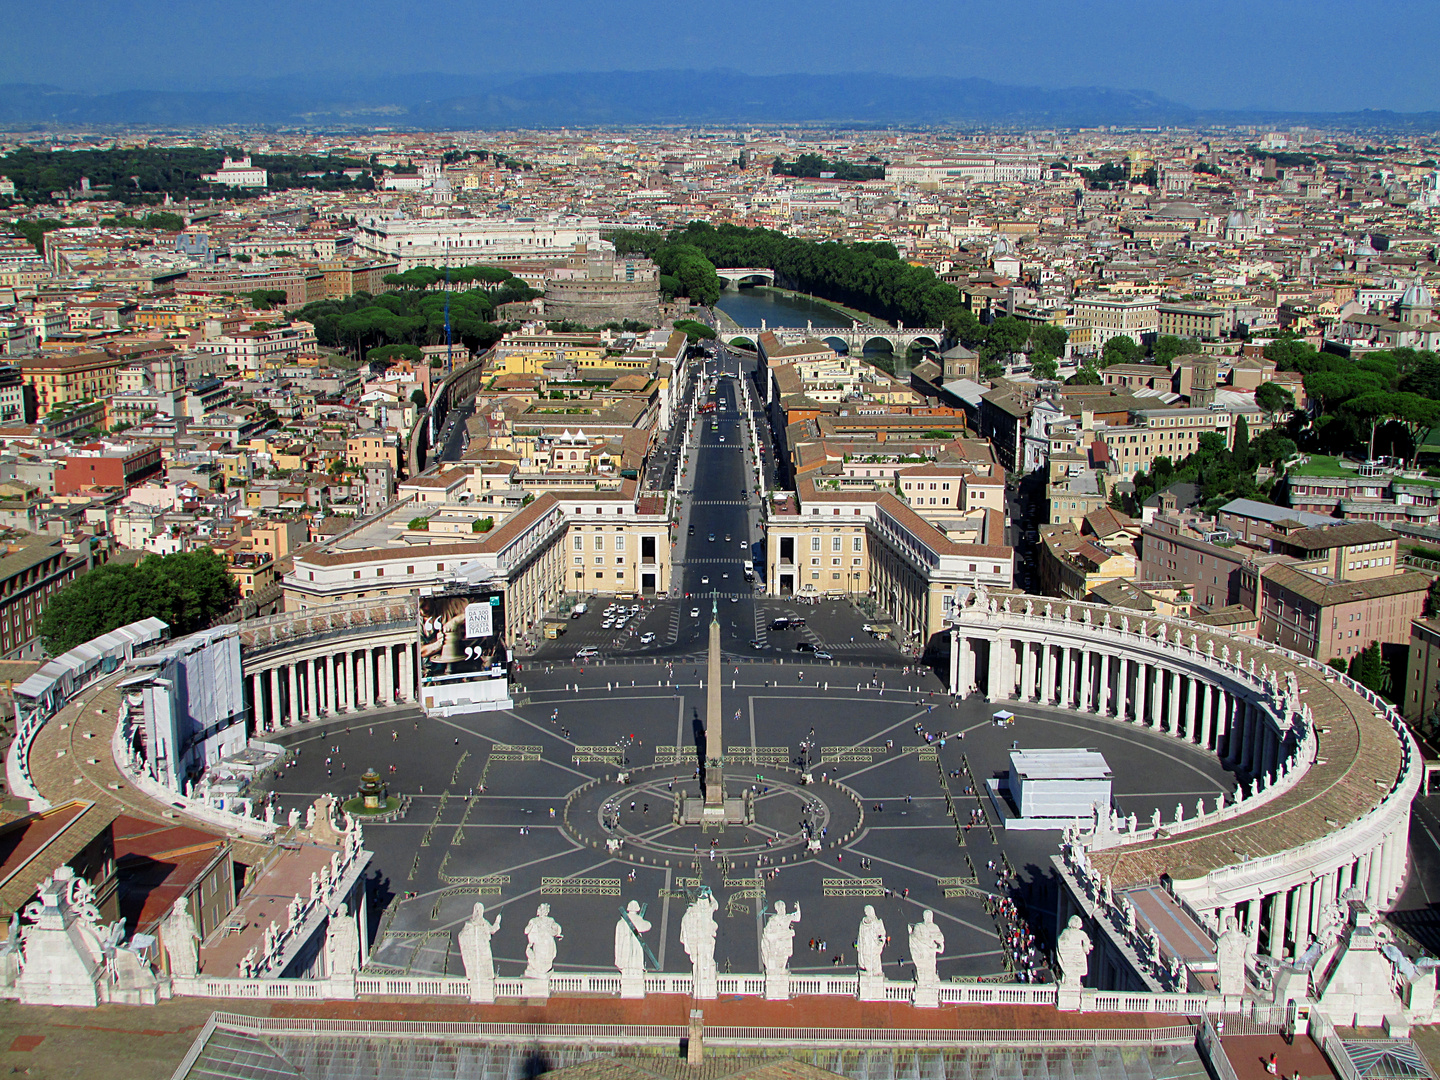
(813, 166)
(1383, 402)
(414, 315)
(139, 175)
(1222, 473)
(870, 277)
(1008, 336)
(188, 590)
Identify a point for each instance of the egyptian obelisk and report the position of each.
(714, 736)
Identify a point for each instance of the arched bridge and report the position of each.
(746, 275)
(854, 338)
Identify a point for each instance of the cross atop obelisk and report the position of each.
(714, 735)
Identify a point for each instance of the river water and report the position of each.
(749, 306)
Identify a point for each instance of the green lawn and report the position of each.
(1322, 465)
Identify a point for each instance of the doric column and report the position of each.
(290, 677)
(277, 714)
(1102, 687)
(1067, 678)
(1392, 869)
(330, 684)
(367, 655)
(992, 681)
(1174, 718)
(1248, 748)
(1206, 715)
(257, 702)
(1192, 718)
(1142, 677)
(387, 676)
(1027, 671)
(1122, 688)
(312, 697)
(407, 678)
(1047, 673)
(1301, 930)
(1087, 658)
(1277, 923)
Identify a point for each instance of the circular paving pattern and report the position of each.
(642, 815)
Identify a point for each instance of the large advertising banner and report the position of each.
(462, 637)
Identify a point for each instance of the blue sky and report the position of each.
(1287, 54)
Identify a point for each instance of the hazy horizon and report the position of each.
(1284, 56)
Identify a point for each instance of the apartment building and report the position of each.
(32, 569)
(1111, 316)
(1182, 321)
(251, 351)
(1422, 676)
(64, 378)
(1323, 618)
(822, 543)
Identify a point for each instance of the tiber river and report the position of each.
(749, 306)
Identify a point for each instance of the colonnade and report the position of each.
(1150, 679)
(1170, 696)
(360, 676)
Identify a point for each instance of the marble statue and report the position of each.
(778, 940)
(926, 945)
(1155, 818)
(474, 942)
(269, 813)
(181, 939)
(1230, 950)
(629, 947)
(342, 944)
(1199, 808)
(1179, 813)
(541, 934)
(1085, 617)
(697, 934)
(1072, 949)
(1124, 624)
(1134, 822)
(870, 943)
(1105, 622)
(293, 818)
(247, 964)
(1029, 606)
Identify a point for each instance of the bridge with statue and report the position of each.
(852, 339)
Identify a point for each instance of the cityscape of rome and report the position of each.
(923, 568)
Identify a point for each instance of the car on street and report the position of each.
(722, 438)
(727, 538)
(781, 623)
(587, 652)
(805, 646)
(705, 579)
(694, 613)
(712, 538)
(821, 654)
(647, 638)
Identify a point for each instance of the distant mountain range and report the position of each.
(634, 98)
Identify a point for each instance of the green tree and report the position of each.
(1240, 451)
(1274, 399)
(187, 590)
(1120, 349)
(1044, 367)
(1369, 668)
(1167, 347)
(1085, 376)
(695, 330)
(418, 397)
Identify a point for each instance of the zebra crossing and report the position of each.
(719, 502)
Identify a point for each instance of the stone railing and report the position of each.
(314, 625)
(17, 760)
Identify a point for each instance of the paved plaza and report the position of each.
(880, 807)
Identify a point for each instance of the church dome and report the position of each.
(1416, 296)
(1239, 219)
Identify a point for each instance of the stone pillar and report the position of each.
(1277, 923)
(1192, 719)
(1047, 673)
(1391, 871)
(1375, 876)
(1302, 925)
(1206, 715)
(1122, 687)
(293, 685)
(330, 685)
(1087, 658)
(276, 712)
(386, 696)
(1102, 688)
(1174, 718)
(312, 697)
(1142, 676)
(1247, 737)
(367, 655)
(407, 679)
(1067, 678)
(992, 687)
(257, 702)
(1027, 671)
